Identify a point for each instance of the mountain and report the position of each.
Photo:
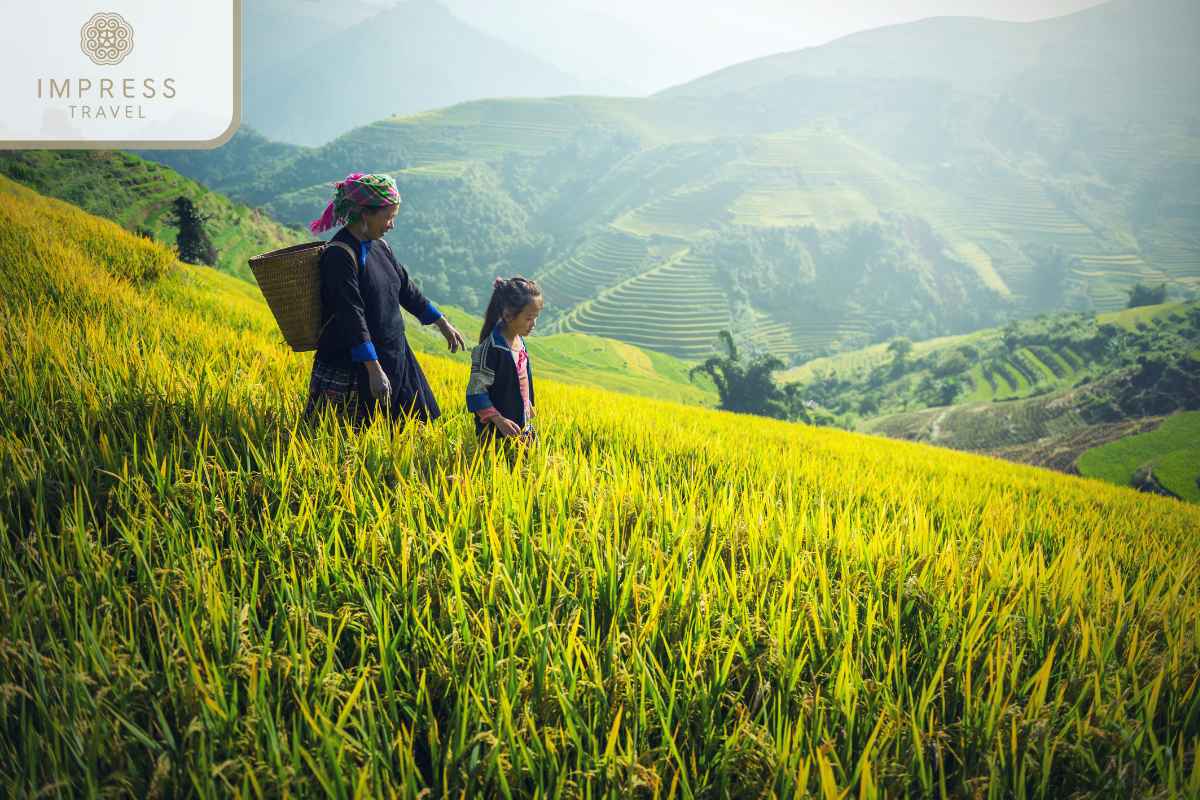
(1116, 36)
(411, 57)
(608, 54)
(814, 212)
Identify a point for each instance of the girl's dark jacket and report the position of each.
(494, 383)
(360, 309)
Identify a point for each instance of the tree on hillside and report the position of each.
(193, 242)
(899, 347)
(1145, 294)
(749, 387)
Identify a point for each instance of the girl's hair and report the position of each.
(513, 294)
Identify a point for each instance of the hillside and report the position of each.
(236, 163)
(137, 194)
(813, 213)
(573, 358)
(1044, 392)
(433, 59)
(229, 599)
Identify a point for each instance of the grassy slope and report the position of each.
(1118, 461)
(584, 361)
(224, 597)
(1045, 430)
(137, 193)
(1179, 473)
(1017, 384)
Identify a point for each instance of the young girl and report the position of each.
(500, 391)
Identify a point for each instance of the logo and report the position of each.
(106, 39)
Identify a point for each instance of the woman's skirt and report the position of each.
(340, 384)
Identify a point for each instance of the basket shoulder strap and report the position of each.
(353, 257)
(347, 248)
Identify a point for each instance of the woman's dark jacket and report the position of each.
(494, 383)
(360, 309)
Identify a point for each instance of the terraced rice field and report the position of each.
(813, 150)
(823, 206)
(594, 268)
(773, 336)
(1013, 379)
(1129, 265)
(656, 120)
(1021, 207)
(686, 215)
(1118, 461)
(1132, 319)
(1179, 473)
(1109, 275)
(827, 158)
(436, 169)
(1175, 249)
(675, 309)
(862, 360)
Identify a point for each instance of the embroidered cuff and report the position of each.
(430, 315)
(478, 402)
(363, 352)
(485, 414)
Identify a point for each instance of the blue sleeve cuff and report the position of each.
(363, 352)
(430, 315)
(478, 402)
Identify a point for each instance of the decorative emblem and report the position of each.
(106, 39)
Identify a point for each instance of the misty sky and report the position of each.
(722, 32)
(642, 46)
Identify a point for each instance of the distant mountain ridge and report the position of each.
(274, 30)
(963, 49)
(408, 58)
(816, 210)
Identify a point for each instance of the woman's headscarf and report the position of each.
(356, 191)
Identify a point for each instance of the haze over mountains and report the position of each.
(410, 57)
(811, 201)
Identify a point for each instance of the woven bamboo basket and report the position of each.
(291, 283)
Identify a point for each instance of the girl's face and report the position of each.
(523, 323)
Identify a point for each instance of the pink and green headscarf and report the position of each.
(356, 191)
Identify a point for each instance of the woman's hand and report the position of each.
(454, 339)
(381, 387)
(506, 426)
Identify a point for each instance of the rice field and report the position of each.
(1021, 206)
(594, 267)
(676, 309)
(1179, 473)
(205, 596)
(1145, 316)
(1117, 461)
(822, 206)
(686, 214)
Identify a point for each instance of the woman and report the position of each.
(363, 362)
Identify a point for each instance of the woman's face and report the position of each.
(380, 222)
(522, 324)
